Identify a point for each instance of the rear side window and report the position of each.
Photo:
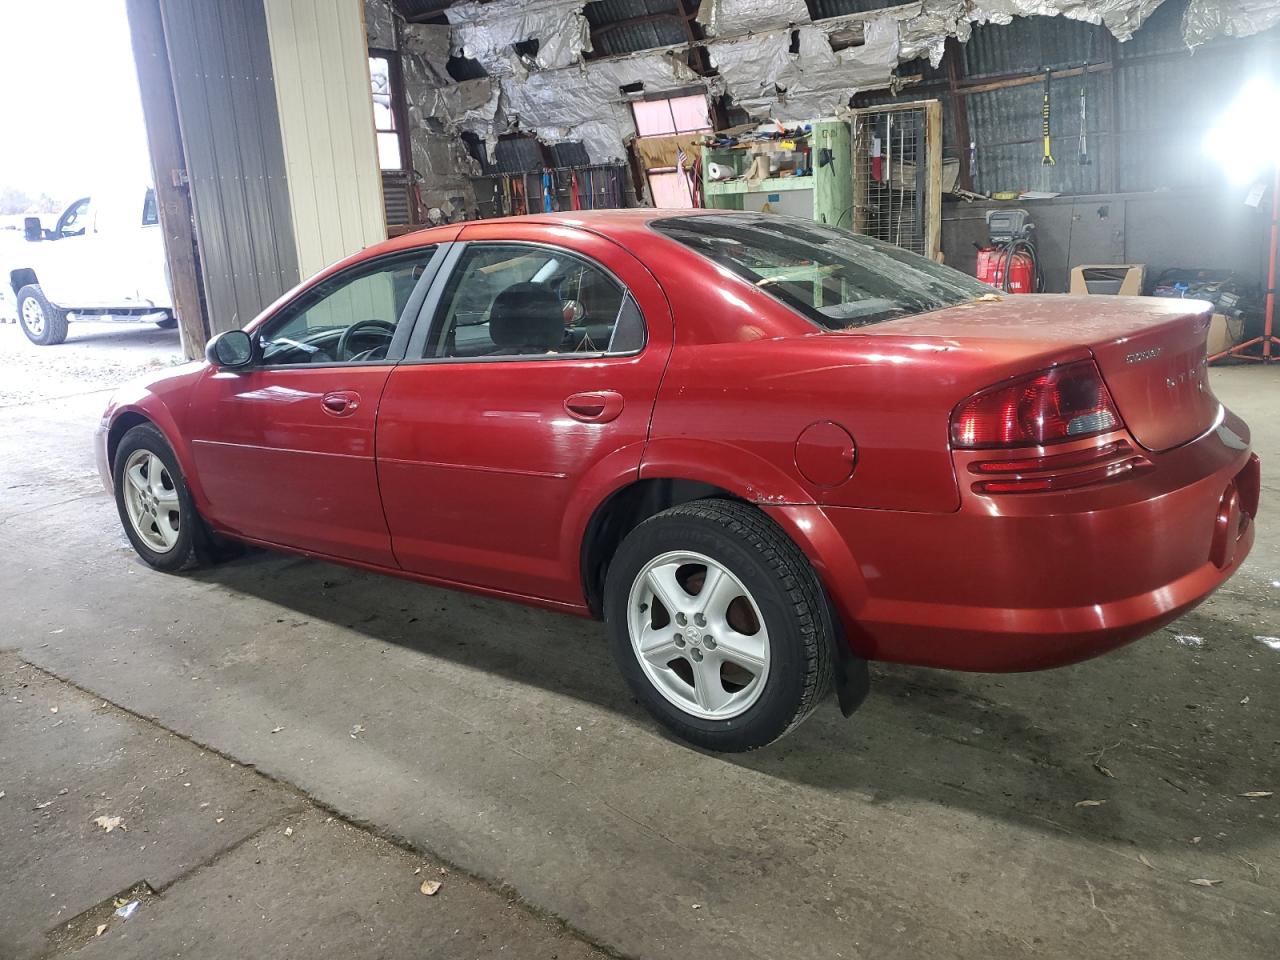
(508, 300)
(837, 279)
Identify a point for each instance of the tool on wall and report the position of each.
(1083, 157)
(1047, 160)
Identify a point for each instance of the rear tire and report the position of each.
(41, 321)
(168, 323)
(744, 666)
(155, 505)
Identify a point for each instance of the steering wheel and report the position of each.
(378, 328)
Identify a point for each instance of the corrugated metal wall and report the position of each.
(326, 125)
(1150, 102)
(226, 103)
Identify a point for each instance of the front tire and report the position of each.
(746, 653)
(41, 321)
(168, 323)
(155, 505)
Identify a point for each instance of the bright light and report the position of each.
(1246, 139)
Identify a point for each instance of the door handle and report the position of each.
(340, 403)
(597, 406)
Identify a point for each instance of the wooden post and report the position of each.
(169, 171)
(933, 144)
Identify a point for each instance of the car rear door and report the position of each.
(284, 449)
(492, 446)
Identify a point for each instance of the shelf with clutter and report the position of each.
(800, 170)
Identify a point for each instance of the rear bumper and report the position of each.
(1029, 581)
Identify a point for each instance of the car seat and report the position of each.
(526, 318)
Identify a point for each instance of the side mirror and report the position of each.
(31, 228)
(230, 350)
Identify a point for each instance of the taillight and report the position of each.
(1069, 402)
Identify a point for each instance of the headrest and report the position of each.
(526, 318)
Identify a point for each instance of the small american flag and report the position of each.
(682, 158)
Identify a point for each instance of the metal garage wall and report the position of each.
(321, 63)
(226, 101)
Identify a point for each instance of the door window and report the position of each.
(508, 300)
(350, 318)
(73, 220)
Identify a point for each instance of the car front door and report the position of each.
(284, 449)
(529, 393)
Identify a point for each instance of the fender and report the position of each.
(782, 497)
(739, 471)
(138, 397)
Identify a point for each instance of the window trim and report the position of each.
(431, 316)
(406, 325)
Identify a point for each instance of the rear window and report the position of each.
(837, 279)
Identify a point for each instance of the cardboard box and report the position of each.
(1128, 281)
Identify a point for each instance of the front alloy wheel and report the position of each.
(151, 501)
(154, 503)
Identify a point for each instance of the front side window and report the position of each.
(74, 220)
(350, 318)
(506, 300)
(837, 279)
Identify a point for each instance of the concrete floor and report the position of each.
(942, 820)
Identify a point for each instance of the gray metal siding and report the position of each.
(226, 101)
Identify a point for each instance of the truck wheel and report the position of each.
(41, 321)
(719, 625)
(168, 323)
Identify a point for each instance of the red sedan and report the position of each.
(763, 450)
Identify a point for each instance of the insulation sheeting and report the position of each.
(1121, 17)
(1207, 19)
(429, 43)
(487, 32)
(766, 79)
(732, 17)
(585, 102)
(380, 24)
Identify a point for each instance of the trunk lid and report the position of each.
(1150, 350)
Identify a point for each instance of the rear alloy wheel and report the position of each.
(155, 506)
(711, 658)
(41, 321)
(719, 625)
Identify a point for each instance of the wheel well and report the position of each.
(124, 423)
(625, 510)
(21, 277)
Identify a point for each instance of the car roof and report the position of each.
(609, 223)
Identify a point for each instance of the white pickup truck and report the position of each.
(103, 259)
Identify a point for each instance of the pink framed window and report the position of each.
(659, 118)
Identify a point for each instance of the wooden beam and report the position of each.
(954, 57)
(169, 172)
(1026, 79)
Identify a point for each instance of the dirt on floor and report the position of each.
(97, 355)
(1127, 806)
